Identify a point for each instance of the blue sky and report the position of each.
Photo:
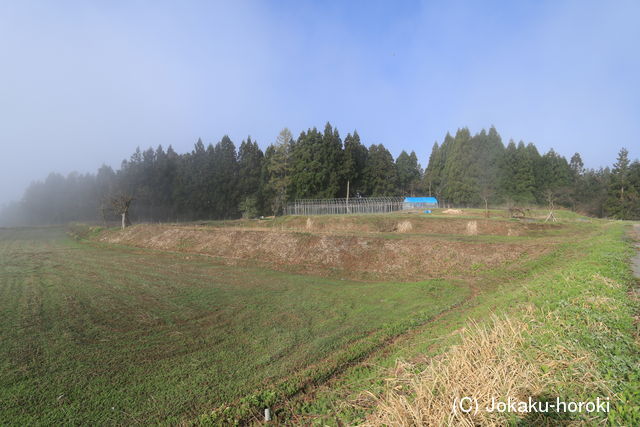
(84, 83)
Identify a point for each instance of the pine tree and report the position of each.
(622, 195)
(634, 183)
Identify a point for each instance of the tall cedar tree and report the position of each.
(224, 169)
(488, 150)
(277, 172)
(458, 171)
(380, 172)
(317, 164)
(355, 161)
(435, 170)
(431, 178)
(555, 176)
(250, 159)
(409, 173)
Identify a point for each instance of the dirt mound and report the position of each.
(452, 211)
(361, 257)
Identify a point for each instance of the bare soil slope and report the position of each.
(414, 223)
(357, 256)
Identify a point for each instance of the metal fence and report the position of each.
(356, 205)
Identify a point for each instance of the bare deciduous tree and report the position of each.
(486, 193)
(551, 197)
(120, 204)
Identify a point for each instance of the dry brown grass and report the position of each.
(362, 257)
(472, 228)
(600, 302)
(404, 227)
(489, 363)
(389, 224)
(607, 281)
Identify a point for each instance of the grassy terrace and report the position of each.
(579, 308)
(107, 334)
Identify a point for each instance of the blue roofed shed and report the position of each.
(420, 202)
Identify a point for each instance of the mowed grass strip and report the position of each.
(119, 335)
(572, 336)
(580, 306)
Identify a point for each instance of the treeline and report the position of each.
(468, 170)
(221, 181)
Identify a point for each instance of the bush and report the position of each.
(249, 207)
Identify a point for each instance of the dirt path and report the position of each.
(635, 261)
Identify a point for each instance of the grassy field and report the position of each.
(578, 309)
(103, 333)
(97, 334)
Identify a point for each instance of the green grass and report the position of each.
(95, 334)
(107, 334)
(577, 301)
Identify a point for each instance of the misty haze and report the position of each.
(335, 213)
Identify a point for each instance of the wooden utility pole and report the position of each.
(347, 196)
